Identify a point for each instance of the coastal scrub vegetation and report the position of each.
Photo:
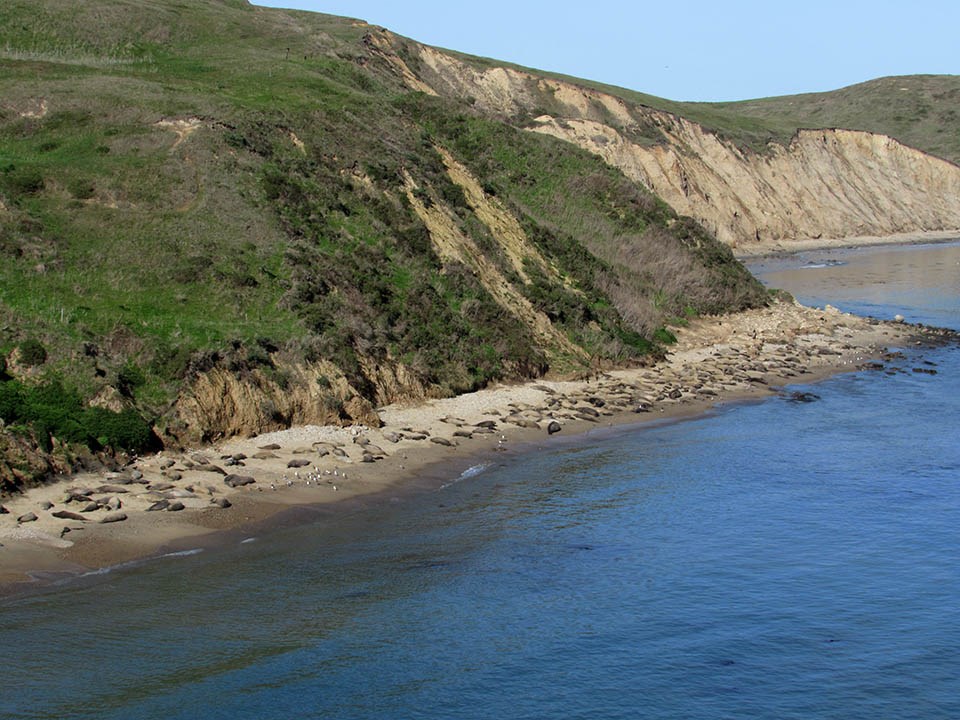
(186, 187)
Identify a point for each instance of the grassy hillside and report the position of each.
(188, 186)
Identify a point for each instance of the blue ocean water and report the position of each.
(770, 560)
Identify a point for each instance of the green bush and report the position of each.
(129, 378)
(82, 189)
(22, 181)
(32, 352)
(53, 411)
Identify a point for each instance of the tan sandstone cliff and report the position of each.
(828, 183)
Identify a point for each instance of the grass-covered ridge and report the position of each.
(190, 186)
(918, 110)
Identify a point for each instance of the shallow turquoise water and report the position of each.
(772, 560)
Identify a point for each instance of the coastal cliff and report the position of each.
(218, 220)
(823, 183)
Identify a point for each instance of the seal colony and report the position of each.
(92, 521)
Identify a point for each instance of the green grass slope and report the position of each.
(188, 186)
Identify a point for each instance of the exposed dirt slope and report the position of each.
(826, 183)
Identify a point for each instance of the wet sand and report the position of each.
(175, 501)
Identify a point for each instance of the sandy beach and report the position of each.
(174, 501)
(761, 249)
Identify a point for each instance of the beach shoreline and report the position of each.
(716, 361)
(780, 248)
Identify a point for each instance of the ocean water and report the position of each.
(768, 560)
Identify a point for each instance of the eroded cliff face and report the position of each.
(220, 403)
(828, 183)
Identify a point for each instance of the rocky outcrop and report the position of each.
(221, 403)
(24, 464)
(829, 183)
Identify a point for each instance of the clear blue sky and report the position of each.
(685, 49)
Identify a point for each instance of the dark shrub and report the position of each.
(32, 352)
(23, 181)
(129, 378)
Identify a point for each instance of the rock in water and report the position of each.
(803, 397)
